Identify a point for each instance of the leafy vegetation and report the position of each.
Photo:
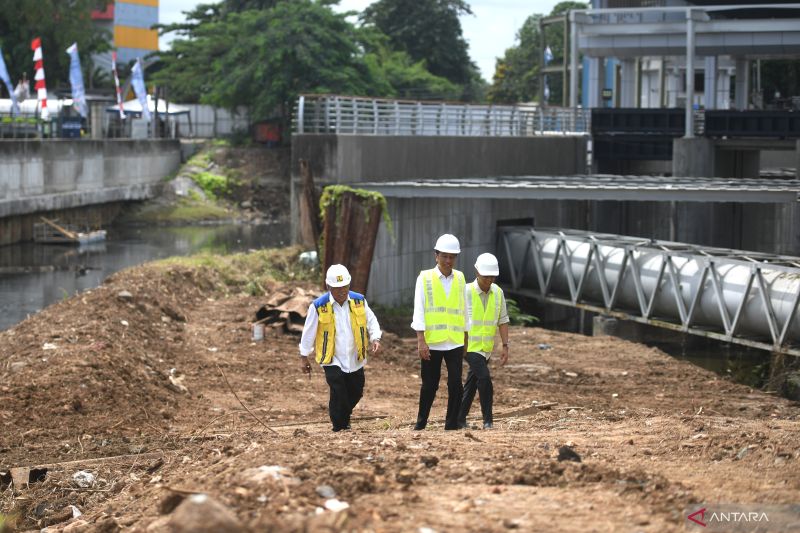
(516, 77)
(213, 185)
(59, 24)
(429, 32)
(518, 318)
(249, 272)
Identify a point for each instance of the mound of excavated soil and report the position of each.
(152, 384)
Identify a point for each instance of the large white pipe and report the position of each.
(782, 286)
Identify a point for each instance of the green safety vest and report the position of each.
(444, 315)
(483, 325)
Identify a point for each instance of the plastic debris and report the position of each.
(83, 479)
(544, 346)
(336, 505)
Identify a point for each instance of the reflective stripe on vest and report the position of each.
(444, 314)
(483, 325)
(325, 343)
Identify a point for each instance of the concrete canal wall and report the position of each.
(398, 258)
(58, 176)
(349, 159)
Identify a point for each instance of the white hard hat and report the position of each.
(448, 244)
(337, 276)
(487, 265)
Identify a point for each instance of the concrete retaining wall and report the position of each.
(418, 222)
(345, 159)
(766, 228)
(59, 174)
(40, 176)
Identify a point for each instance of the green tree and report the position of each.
(264, 58)
(58, 23)
(394, 74)
(516, 77)
(429, 31)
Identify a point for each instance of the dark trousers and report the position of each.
(478, 378)
(346, 391)
(431, 372)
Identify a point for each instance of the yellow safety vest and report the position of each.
(483, 325)
(326, 329)
(444, 315)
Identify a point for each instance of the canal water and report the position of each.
(33, 276)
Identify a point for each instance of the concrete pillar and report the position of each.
(742, 84)
(723, 89)
(693, 157)
(627, 93)
(710, 86)
(689, 132)
(596, 76)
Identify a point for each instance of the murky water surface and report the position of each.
(32, 276)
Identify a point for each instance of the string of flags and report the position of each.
(79, 102)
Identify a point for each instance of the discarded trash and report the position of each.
(75, 511)
(309, 259)
(544, 346)
(176, 380)
(258, 332)
(326, 491)
(49, 346)
(565, 453)
(83, 479)
(336, 505)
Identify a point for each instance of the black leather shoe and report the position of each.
(419, 426)
(488, 425)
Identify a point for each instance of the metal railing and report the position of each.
(364, 116)
(747, 298)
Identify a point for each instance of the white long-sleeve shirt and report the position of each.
(344, 346)
(484, 296)
(418, 320)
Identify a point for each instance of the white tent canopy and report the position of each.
(135, 108)
(30, 106)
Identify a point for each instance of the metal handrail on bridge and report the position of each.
(741, 297)
(333, 114)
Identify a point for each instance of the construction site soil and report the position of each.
(127, 402)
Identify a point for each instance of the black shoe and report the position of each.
(419, 426)
(488, 425)
(462, 424)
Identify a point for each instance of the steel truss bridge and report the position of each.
(746, 298)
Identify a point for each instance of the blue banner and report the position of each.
(137, 80)
(7, 80)
(76, 81)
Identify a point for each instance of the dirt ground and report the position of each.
(142, 382)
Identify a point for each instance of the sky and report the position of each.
(489, 31)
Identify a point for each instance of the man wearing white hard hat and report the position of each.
(487, 311)
(440, 320)
(340, 329)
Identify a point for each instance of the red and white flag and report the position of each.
(116, 82)
(39, 84)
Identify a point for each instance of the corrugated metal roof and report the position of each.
(596, 187)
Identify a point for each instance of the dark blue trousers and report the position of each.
(478, 378)
(346, 391)
(431, 373)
